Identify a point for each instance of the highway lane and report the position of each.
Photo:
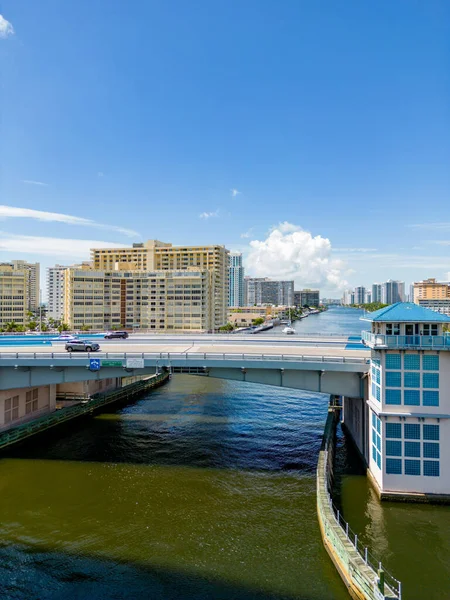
(130, 346)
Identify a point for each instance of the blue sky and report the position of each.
(331, 118)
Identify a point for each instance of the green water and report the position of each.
(204, 489)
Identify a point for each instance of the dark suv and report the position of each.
(112, 335)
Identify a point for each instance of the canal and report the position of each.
(203, 489)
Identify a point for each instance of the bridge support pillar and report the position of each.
(354, 419)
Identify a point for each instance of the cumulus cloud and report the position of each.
(56, 247)
(208, 215)
(6, 29)
(289, 252)
(9, 212)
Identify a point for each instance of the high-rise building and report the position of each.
(55, 292)
(392, 291)
(154, 255)
(14, 285)
(430, 289)
(236, 280)
(33, 283)
(307, 297)
(268, 291)
(376, 292)
(163, 300)
(360, 295)
(368, 297)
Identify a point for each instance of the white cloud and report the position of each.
(357, 250)
(289, 252)
(6, 29)
(235, 192)
(208, 215)
(9, 212)
(32, 182)
(431, 226)
(56, 247)
(247, 234)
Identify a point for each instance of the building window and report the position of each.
(411, 397)
(393, 396)
(393, 466)
(412, 467)
(430, 362)
(412, 449)
(412, 431)
(393, 361)
(394, 430)
(393, 379)
(431, 380)
(430, 398)
(11, 409)
(393, 448)
(412, 362)
(412, 380)
(431, 468)
(430, 450)
(431, 432)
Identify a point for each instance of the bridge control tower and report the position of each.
(409, 402)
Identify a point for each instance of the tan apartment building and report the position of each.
(430, 289)
(159, 300)
(154, 255)
(13, 294)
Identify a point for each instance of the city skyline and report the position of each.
(311, 177)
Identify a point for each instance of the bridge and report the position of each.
(318, 364)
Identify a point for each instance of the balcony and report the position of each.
(406, 342)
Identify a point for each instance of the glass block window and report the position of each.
(412, 449)
(431, 380)
(411, 398)
(412, 362)
(378, 376)
(394, 430)
(412, 467)
(393, 361)
(430, 398)
(394, 466)
(374, 420)
(374, 453)
(378, 425)
(412, 431)
(378, 443)
(430, 362)
(379, 460)
(393, 396)
(393, 379)
(393, 448)
(412, 380)
(376, 361)
(431, 468)
(430, 450)
(431, 432)
(376, 439)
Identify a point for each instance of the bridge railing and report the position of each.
(426, 342)
(184, 356)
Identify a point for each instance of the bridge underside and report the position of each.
(313, 378)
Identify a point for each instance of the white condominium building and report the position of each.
(55, 292)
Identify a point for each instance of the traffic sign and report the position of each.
(112, 363)
(135, 363)
(94, 364)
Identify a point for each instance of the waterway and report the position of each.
(203, 489)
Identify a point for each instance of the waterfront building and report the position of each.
(55, 292)
(307, 297)
(409, 401)
(33, 283)
(440, 306)
(360, 295)
(153, 255)
(235, 280)
(164, 300)
(376, 292)
(368, 297)
(268, 291)
(430, 289)
(348, 297)
(14, 287)
(392, 291)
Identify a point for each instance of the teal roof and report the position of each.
(405, 312)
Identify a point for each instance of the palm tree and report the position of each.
(11, 326)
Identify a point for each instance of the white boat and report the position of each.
(289, 330)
